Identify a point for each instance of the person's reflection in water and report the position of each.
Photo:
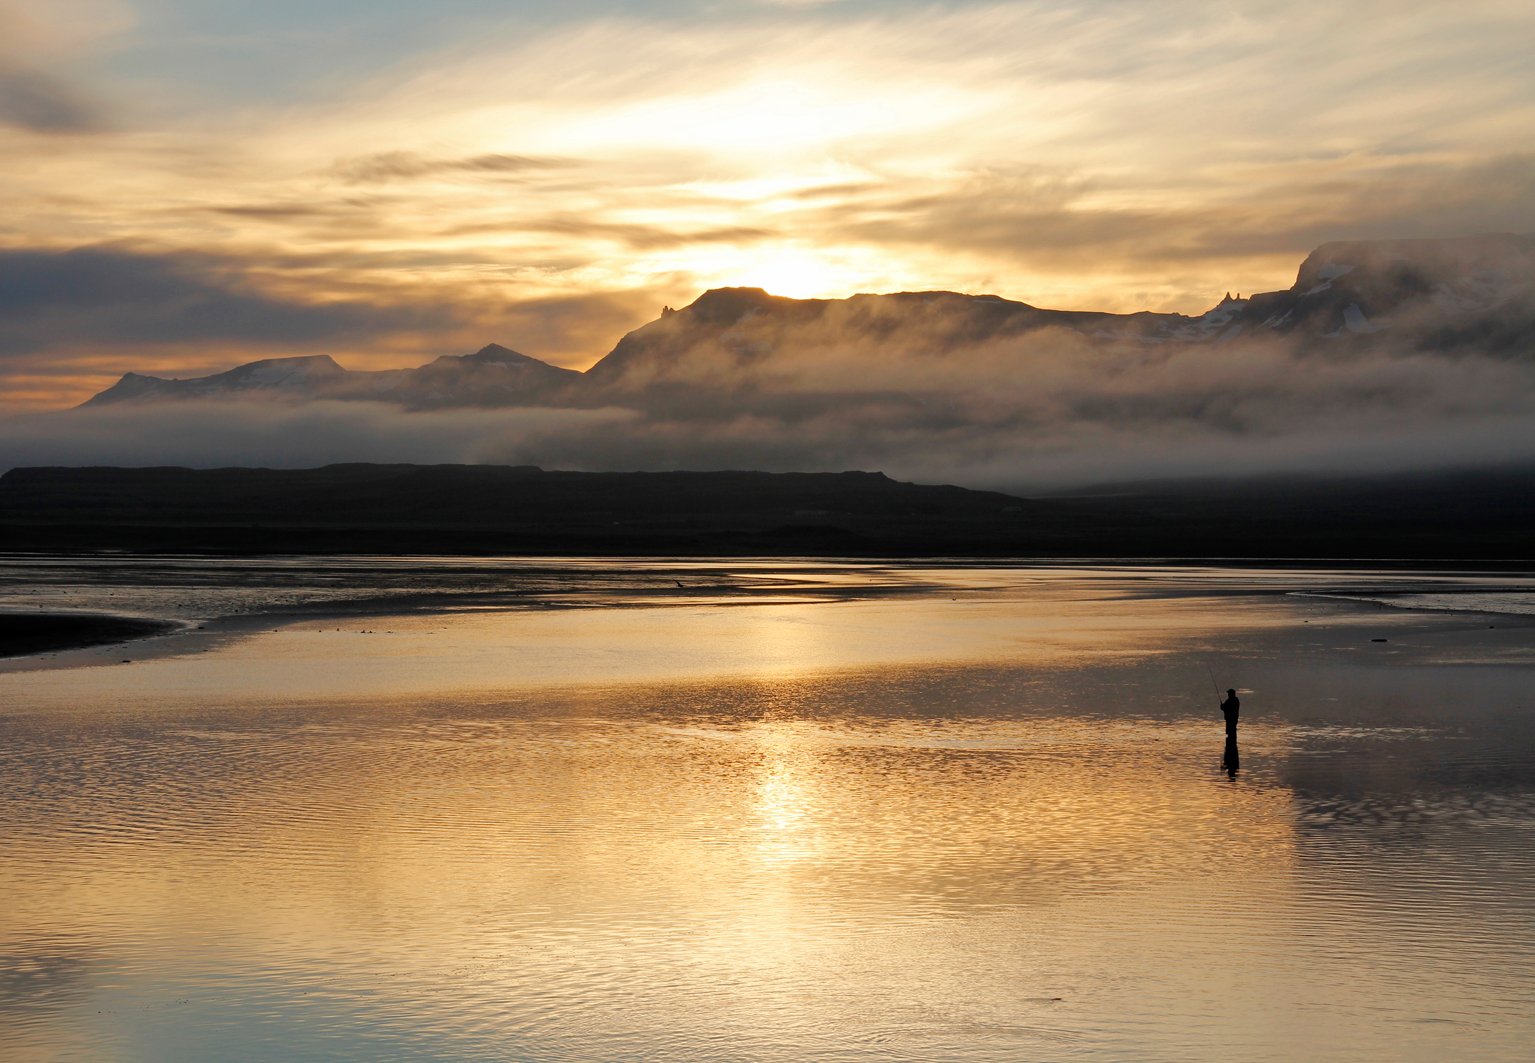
(1231, 760)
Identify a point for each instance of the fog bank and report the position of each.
(1057, 415)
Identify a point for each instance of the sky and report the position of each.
(193, 184)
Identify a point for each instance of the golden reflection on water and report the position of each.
(592, 875)
(485, 652)
(874, 830)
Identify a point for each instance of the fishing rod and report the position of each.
(1213, 683)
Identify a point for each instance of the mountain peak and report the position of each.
(1472, 291)
(495, 354)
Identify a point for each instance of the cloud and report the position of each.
(215, 434)
(1080, 154)
(44, 104)
(638, 237)
(278, 211)
(401, 165)
(1047, 212)
(37, 43)
(51, 299)
(108, 297)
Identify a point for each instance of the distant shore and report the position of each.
(1484, 517)
(22, 634)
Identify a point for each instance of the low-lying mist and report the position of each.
(1042, 411)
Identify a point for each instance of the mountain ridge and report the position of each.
(487, 377)
(1461, 294)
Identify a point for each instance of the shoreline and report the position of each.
(1294, 650)
(822, 542)
(61, 638)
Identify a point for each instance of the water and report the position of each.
(433, 810)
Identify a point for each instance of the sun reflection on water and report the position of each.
(994, 830)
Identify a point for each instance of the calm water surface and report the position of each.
(428, 810)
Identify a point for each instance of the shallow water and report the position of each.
(782, 812)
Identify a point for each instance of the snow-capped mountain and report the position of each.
(1475, 294)
(492, 376)
(309, 377)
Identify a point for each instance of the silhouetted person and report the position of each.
(1231, 760)
(1230, 708)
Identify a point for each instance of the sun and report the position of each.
(799, 277)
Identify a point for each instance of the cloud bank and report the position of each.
(1047, 413)
(58, 299)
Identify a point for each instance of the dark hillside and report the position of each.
(496, 509)
(1476, 516)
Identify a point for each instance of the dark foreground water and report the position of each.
(780, 812)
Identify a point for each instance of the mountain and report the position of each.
(1475, 293)
(1469, 295)
(728, 332)
(492, 376)
(309, 377)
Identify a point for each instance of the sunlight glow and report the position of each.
(799, 276)
(796, 115)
